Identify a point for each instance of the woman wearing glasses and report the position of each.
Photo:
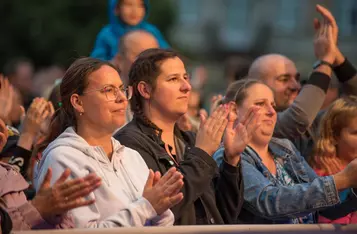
(94, 101)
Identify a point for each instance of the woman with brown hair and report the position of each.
(94, 102)
(161, 90)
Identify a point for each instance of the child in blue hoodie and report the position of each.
(124, 16)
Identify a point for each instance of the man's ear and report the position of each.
(144, 89)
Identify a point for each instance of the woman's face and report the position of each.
(346, 142)
(262, 96)
(172, 92)
(99, 111)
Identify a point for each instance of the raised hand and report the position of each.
(324, 44)
(211, 130)
(64, 195)
(6, 98)
(328, 17)
(38, 112)
(163, 193)
(236, 138)
(3, 134)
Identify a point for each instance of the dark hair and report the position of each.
(74, 81)
(237, 91)
(12, 65)
(146, 68)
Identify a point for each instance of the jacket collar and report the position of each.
(279, 147)
(187, 137)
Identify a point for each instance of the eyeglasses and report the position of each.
(112, 92)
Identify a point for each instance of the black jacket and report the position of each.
(212, 195)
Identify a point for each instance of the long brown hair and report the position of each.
(74, 81)
(337, 117)
(146, 68)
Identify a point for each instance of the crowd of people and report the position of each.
(120, 141)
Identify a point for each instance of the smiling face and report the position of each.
(262, 96)
(99, 111)
(171, 95)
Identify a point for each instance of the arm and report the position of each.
(101, 47)
(261, 195)
(229, 192)
(346, 73)
(27, 217)
(134, 214)
(295, 120)
(320, 194)
(20, 159)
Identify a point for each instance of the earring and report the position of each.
(80, 113)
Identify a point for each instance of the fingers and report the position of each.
(203, 119)
(220, 120)
(176, 186)
(253, 124)
(249, 115)
(63, 177)
(150, 180)
(82, 188)
(47, 181)
(69, 205)
(317, 24)
(3, 127)
(42, 105)
(203, 112)
(174, 200)
(167, 176)
(174, 178)
(157, 177)
(326, 14)
(51, 108)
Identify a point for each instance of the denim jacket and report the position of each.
(267, 202)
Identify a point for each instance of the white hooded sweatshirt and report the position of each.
(118, 201)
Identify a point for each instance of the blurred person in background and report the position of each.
(131, 45)
(20, 73)
(336, 144)
(45, 78)
(19, 145)
(124, 16)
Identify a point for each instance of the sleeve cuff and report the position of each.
(320, 80)
(24, 153)
(31, 215)
(204, 156)
(229, 168)
(146, 209)
(345, 71)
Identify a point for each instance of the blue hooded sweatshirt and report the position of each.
(106, 45)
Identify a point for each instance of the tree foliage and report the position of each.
(58, 31)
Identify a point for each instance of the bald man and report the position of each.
(130, 46)
(281, 75)
(299, 116)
